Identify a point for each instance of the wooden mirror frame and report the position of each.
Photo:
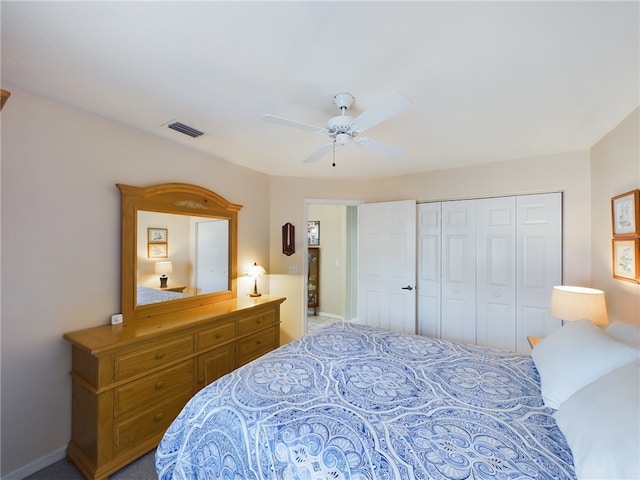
(173, 198)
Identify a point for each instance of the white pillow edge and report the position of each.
(575, 355)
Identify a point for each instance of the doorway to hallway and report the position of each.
(331, 287)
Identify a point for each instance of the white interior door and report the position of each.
(212, 267)
(387, 265)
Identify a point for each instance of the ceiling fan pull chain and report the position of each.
(334, 152)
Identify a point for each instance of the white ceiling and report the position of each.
(489, 81)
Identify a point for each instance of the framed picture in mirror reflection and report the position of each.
(158, 250)
(157, 235)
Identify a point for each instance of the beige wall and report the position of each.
(615, 168)
(61, 235)
(61, 248)
(568, 172)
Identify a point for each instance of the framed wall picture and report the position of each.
(625, 214)
(313, 233)
(626, 257)
(157, 250)
(157, 235)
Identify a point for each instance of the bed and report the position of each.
(354, 402)
(146, 295)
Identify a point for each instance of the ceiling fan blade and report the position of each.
(314, 157)
(389, 106)
(382, 148)
(267, 117)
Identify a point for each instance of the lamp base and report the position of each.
(255, 294)
(163, 282)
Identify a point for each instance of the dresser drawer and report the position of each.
(140, 428)
(153, 389)
(215, 336)
(255, 322)
(256, 345)
(151, 356)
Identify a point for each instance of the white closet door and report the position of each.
(459, 271)
(539, 268)
(496, 272)
(429, 255)
(387, 265)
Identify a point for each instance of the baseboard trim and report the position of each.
(36, 466)
(331, 315)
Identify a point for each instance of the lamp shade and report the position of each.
(579, 303)
(164, 267)
(255, 271)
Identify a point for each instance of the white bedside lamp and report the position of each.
(255, 271)
(579, 303)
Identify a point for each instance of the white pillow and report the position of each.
(574, 356)
(601, 423)
(628, 333)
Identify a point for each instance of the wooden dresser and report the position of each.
(130, 381)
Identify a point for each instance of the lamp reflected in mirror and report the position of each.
(254, 271)
(163, 268)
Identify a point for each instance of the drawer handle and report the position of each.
(158, 416)
(159, 356)
(218, 335)
(259, 321)
(159, 385)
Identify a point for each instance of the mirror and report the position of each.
(179, 249)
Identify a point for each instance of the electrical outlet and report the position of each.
(116, 319)
(293, 269)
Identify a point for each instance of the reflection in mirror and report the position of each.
(191, 253)
(182, 236)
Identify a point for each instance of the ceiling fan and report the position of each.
(343, 129)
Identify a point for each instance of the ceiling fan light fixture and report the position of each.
(342, 139)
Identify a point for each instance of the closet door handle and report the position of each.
(408, 287)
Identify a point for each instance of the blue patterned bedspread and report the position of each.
(353, 402)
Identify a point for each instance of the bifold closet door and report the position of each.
(486, 268)
(458, 302)
(539, 268)
(429, 268)
(496, 272)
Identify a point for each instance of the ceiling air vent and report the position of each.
(186, 129)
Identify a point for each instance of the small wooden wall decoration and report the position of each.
(288, 239)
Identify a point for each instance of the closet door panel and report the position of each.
(429, 268)
(496, 276)
(486, 269)
(459, 271)
(539, 268)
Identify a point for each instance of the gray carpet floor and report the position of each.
(142, 469)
